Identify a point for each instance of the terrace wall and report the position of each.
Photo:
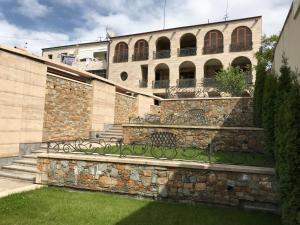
(162, 179)
(125, 107)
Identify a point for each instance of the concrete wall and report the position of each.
(144, 105)
(68, 108)
(133, 68)
(289, 43)
(22, 100)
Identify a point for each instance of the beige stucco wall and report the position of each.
(133, 68)
(103, 107)
(22, 100)
(144, 105)
(289, 43)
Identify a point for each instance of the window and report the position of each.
(121, 52)
(213, 42)
(50, 56)
(241, 39)
(124, 76)
(99, 55)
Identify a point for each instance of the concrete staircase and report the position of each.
(115, 131)
(23, 168)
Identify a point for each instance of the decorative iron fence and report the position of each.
(187, 51)
(198, 91)
(161, 54)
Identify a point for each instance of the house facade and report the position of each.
(184, 56)
(90, 57)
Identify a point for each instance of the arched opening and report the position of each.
(213, 42)
(141, 50)
(245, 65)
(241, 39)
(162, 74)
(187, 74)
(121, 52)
(188, 45)
(211, 68)
(163, 48)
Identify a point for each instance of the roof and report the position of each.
(70, 69)
(79, 44)
(191, 26)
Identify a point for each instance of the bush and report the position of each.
(231, 80)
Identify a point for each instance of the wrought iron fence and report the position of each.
(187, 52)
(198, 91)
(161, 54)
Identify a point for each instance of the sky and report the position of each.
(47, 23)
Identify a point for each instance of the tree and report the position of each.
(231, 80)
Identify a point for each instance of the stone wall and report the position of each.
(224, 138)
(155, 110)
(228, 112)
(22, 100)
(68, 107)
(179, 181)
(126, 107)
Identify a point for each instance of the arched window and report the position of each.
(141, 50)
(211, 68)
(163, 48)
(188, 45)
(241, 39)
(213, 42)
(187, 74)
(245, 65)
(121, 52)
(162, 74)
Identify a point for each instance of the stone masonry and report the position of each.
(126, 107)
(67, 109)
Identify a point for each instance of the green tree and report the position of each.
(231, 80)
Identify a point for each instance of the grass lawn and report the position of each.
(53, 206)
(236, 158)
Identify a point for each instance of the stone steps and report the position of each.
(29, 169)
(18, 175)
(25, 162)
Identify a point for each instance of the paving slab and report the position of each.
(11, 186)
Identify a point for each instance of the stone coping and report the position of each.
(191, 127)
(207, 98)
(165, 163)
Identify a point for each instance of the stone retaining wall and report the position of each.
(224, 138)
(68, 107)
(228, 112)
(179, 181)
(155, 110)
(126, 107)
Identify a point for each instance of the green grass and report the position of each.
(54, 206)
(236, 158)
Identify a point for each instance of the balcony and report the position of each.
(162, 54)
(213, 50)
(241, 47)
(120, 58)
(186, 83)
(140, 56)
(143, 84)
(157, 84)
(182, 52)
(211, 81)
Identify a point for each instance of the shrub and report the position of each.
(231, 80)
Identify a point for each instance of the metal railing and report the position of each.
(211, 81)
(162, 54)
(139, 56)
(186, 82)
(160, 84)
(120, 58)
(213, 50)
(241, 47)
(143, 83)
(187, 51)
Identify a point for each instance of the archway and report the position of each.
(162, 73)
(211, 68)
(163, 48)
(188, 45)
(187, 74)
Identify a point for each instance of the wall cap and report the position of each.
(155, 162)
(217, 98)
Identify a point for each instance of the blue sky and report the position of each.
(45, 23)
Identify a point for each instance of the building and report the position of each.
(184, 56)
(91, 57)
(288, 44)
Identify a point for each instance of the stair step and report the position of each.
(31, 156)
(18, 175)
(29, 169)
(40, 151)
(26, 161)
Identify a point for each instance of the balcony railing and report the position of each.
(162, 54)
(186, 83)
(139, 56)
(241, 47)
(160, 84)
(120, 58)
(187, 52)
(213, 50)
(143, 83)
(211, 81)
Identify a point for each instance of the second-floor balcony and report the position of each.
(162, 54)
(239, 47)
(157, 84)
(186, 82)
(140, 56)
(143, 83)
(120, 58)
(211, 81)
(187, 52)
(213, 50)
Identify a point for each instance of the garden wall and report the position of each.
(125, 107)
(225, 138)
(162, 179)
(68, 107)
(229, 112)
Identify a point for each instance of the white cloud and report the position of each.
(32, 8)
